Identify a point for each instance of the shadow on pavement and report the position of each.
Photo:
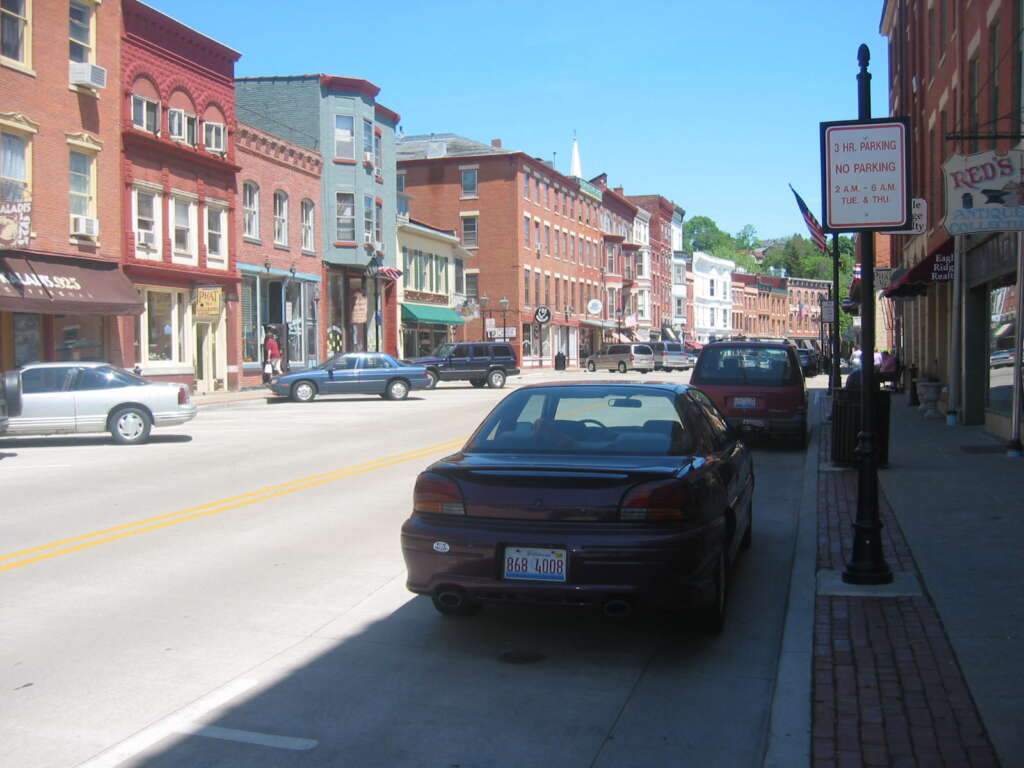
(73, 441)
(339, 399)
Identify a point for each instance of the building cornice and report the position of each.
(271, 147)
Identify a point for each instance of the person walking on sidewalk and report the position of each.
(271, 356)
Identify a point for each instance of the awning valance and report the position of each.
(427, 313)
(936, 267)
(55, 286)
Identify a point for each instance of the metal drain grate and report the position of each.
(982, 449)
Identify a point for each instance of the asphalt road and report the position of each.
(233, 595)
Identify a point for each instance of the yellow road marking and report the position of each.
(69, 545)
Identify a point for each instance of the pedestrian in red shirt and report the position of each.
(271, 355)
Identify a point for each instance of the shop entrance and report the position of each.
(206, 358)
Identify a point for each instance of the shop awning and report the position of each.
(428, 313)
(936, 267)
(56, 286)
(598, 323)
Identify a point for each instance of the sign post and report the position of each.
(865, 189)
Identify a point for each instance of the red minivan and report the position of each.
(757, 385)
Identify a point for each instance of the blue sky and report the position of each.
(715, 105)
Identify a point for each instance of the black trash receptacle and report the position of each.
(560, 361)
(846, 425)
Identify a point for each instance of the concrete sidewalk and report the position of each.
(960, 503)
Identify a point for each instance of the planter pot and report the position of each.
(929, 394)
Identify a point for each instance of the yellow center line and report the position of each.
(69, 545)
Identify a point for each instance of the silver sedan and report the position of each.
(76, 398)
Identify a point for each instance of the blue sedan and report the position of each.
(352, 374)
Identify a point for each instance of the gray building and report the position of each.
(341, 118)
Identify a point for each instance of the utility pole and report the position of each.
(867, 563)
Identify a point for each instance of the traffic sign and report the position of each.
(865, 174)
(542, 315)
(508, 332)
(828, 311)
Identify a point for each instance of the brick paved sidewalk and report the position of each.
(888, 690)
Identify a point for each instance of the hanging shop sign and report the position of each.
(918, 219)
(358, 308)
(828, 311)
(865, 174)
(15, 224)
(542, 315)
(984, 192)
(594, 307)
(208, 302)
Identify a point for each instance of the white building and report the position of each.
(679, 292)
(638, 269)
(712, 297)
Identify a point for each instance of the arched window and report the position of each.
(251, 210)
(280, 218)
(307, 225)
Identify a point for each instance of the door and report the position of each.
(204, 358)
(342, 376)
(374, 372)
(458, 364)
(47, 402)
(480, 361)
(97, 391)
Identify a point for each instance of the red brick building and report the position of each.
(61, 287)
(765, 305)
(178, 175)
(619, 251)
(281, 263)
(536, 235)
(805, 297)
(662, 211)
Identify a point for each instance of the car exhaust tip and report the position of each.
(451, 599)
(617, 609)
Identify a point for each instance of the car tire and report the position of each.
(478, 383)
(711, 613)
(591, 367)
(622, 367)
(466, 608)
(432, 379)
(397, 389)
(303, 392)
(130, 425)
(496, 379)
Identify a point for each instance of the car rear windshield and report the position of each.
(604, 421)
(642, 349)
(739, 365)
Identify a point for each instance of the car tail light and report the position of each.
(658, 501)
(183, 396)
(437, 494)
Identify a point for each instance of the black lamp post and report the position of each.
(503, 301)
(373, 272)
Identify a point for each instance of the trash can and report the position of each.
(560, 361)
(846, 425)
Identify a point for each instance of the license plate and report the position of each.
(535, 564)
(744, 402)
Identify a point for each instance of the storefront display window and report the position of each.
(293, 317)
(159, 326)
(311, 294)
(422, 340)
(28, 339)
(79, 338)
(1002, 348)
(250, 321)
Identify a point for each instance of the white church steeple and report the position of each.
(575, 168)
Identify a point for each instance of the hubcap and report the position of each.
(304, 391)
(130, 425)
(496, 379)
(398, 390)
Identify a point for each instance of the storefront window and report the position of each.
(311, 293)
(293, 317)
(250, 321)
(28, 339)
(1001, 348)
(159, 325)
(79, 338)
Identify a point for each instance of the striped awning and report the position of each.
(390, 273)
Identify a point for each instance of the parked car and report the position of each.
(622, 358)
(1000, 358)
(758, 385)
(600, 494)
(670, 356)
(365, 373)
(10, 398)
(809, 363)
(75, 398)
(481, 363)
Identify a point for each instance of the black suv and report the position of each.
(481, 363)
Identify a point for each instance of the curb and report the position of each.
(789, 719)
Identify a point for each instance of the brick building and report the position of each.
(619, 253)
(341, 118)
(280, 258)
(955, 68)
(61, 284)
(765, 305)
(535, 234)
(805, 297)
(178, 198)
(666, 217)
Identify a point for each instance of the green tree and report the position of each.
(701, 233)
(746, 238)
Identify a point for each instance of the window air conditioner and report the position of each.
(89, 75)
(85, 226)
(368, 157)
(145, 238)
(368, 237)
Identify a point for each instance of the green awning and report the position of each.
(427, 313)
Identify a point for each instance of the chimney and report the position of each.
(496, 143)
(619, 190)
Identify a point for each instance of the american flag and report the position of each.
(856, 271)
(817, 235)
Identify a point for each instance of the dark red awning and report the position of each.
(937, 267)
(55, 286)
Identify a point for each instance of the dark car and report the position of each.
(758, 385)
(597, 494)
(481, 363)
(364, 373)
(809, 363)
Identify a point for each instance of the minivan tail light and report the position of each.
(662, 500)
(438, 495)
(182, 395)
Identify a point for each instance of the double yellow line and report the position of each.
(72, 544)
